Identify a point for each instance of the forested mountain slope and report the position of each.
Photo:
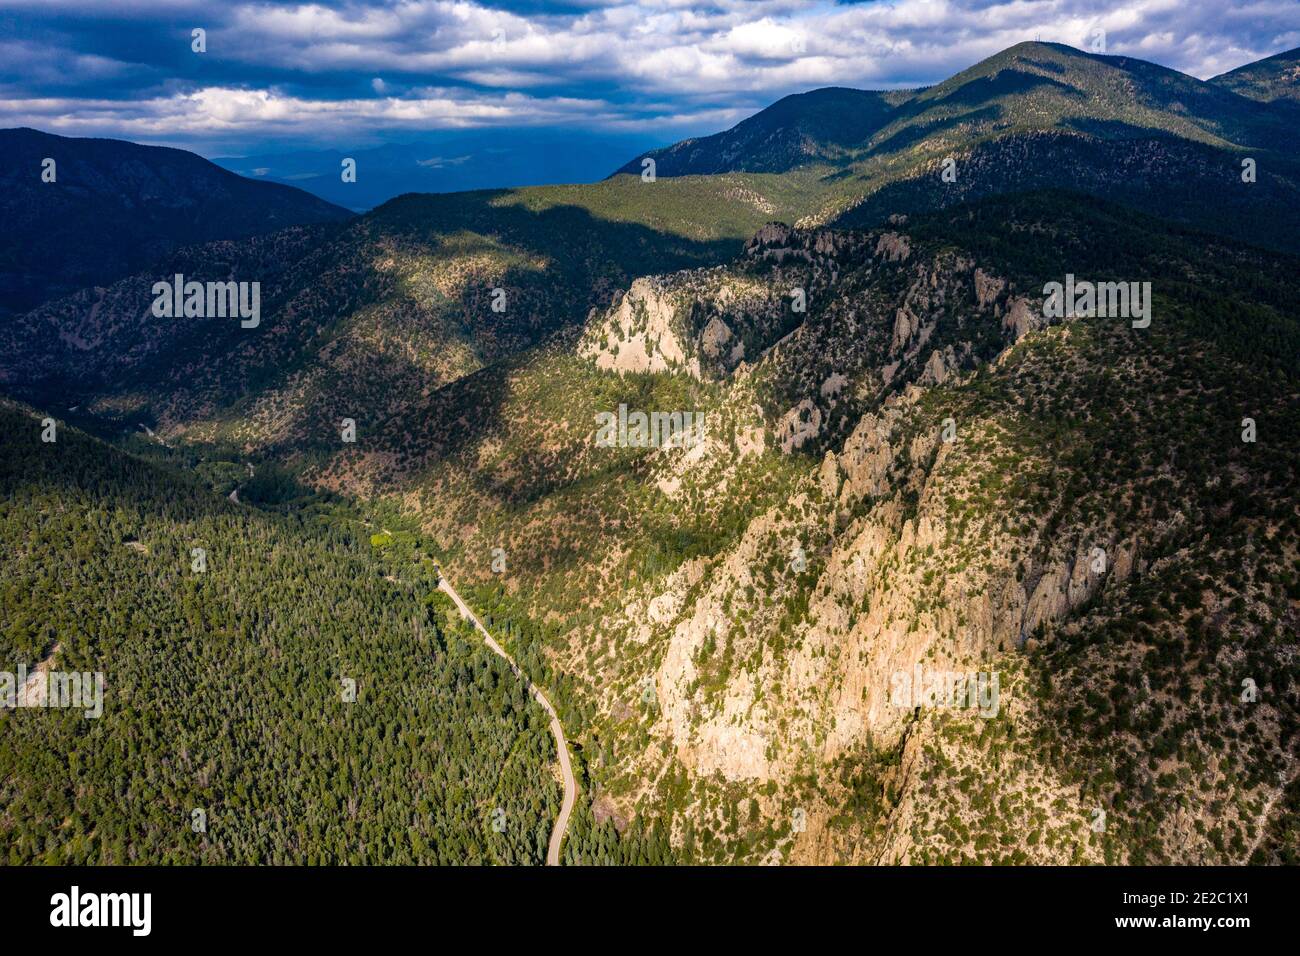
(1035, 116)
(734, 614)
(225, 689)
(107, 208)
(1273, 78)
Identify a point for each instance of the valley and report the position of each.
(923, 457)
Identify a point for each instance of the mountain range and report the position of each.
(913, 467)
(1037, 115)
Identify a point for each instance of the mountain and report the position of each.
(413, 281)
(707, 610)
(1030, 86)
(821, 126)
(115, 207)
(1035, 116)
(422, 270)
(736, 613)
(911, 467)
(1269, 80)
(370, 314)
(1050, 85)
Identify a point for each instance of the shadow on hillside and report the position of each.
(980, 101)
(909, 136)
(211, 368)
(588, 260)
(1165, 176)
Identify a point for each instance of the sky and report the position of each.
(342, 74)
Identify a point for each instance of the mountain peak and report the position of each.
(1273, 78)
(1032, 85)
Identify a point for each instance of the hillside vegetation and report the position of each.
(909, 465)
(107, 208)
(225, 689)
(729, 618)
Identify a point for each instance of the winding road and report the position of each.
(557, 731)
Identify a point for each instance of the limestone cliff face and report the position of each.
(642, 332)
(925, 528)
(889, 593)
(870, 612)
(704, 323)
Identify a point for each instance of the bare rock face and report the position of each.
(729, 733)
(905, 326)
(1049, 602)
(828, 478)
(833, 385)
(779, 653)
(799, 425)
(987, 288)
(732, 752)
(770, 234)
(867, 456)
(937, 369)
(1020, 319)
(641, 333)
(714, 339)
(702, 322)
(1084, 577)
(893, 247)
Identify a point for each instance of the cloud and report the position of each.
(225, 110)
(326, 69)
(441, 162)
(764, 39)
